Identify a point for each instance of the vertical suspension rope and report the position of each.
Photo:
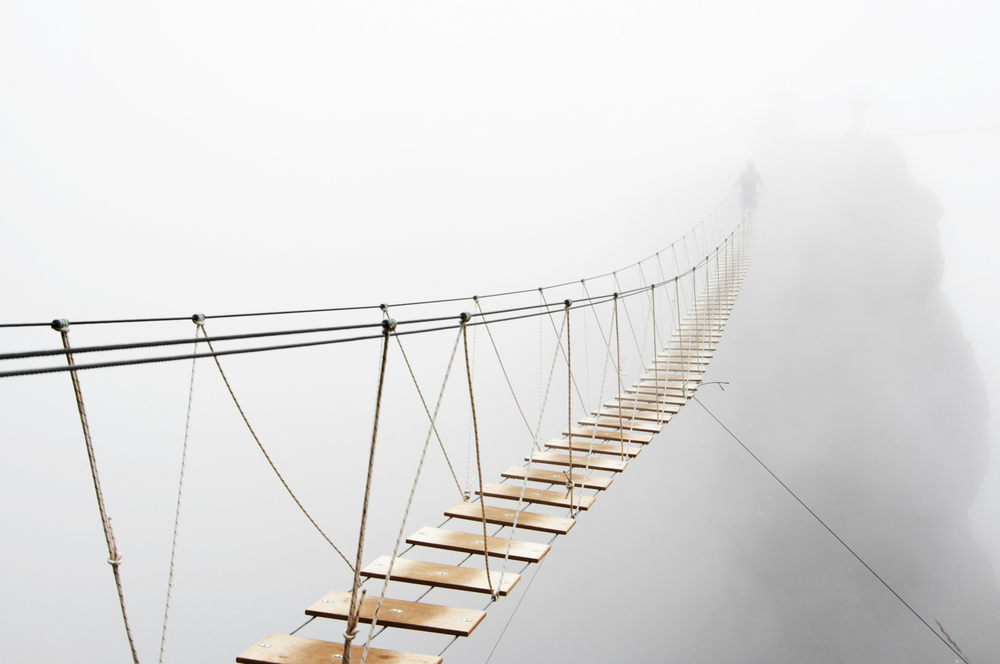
(114, 558)
(198, 320)
(388, 325)
(413, 490)
(618, 345)
(569, 405)
(479, 467)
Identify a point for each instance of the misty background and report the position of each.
(163, 160)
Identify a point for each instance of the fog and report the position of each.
(166, 160)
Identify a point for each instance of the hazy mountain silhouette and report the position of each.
(855, 379)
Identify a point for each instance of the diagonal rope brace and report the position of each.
(114, 558)
(506, 377)
(268, 458)
(433, 419)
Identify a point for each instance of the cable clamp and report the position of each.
(198, 319)
(388, 325)
(567, 303)
(60, 325)
(465, 317)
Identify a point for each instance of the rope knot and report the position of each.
(116, 561)
(465, 317)
(567, 303)
(60, 325)
(383, 306)
(388, 325)
(198, 319)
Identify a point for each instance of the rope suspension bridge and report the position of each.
(499, 527)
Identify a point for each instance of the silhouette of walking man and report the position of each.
(749, 179)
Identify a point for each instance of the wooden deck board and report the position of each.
(599, 448)
(397, 613)
(550, 477)
(537, 496)
(503, 516)
(600, 434)
(579, 461)
(283, 649)
(441, 576)
(450, 540)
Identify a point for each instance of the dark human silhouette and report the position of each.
(749, 179)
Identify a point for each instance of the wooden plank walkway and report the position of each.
(605, 441)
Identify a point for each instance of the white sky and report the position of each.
(167, 158)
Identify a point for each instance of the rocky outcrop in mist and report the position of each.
(851, 374)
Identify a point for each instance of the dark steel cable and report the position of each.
(830, 530)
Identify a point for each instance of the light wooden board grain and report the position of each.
(502, 516)
(450, 540)
(603, 434)
(550, 477)
(417, 616)
(283, 649)
(441, 576)
(537, 496)
(578, 461)
(624, 423)
(647, 416)
(598, 448)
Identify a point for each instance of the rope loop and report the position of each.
(115, 562)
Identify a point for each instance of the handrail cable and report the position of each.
(594, 301)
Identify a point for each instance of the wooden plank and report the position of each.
(673, 379)
(282, 649)
(441, 576)
(549, 477)
(402, 615)
(652, 397)
(502, 516)
(537, 496)
(618, 436)
(675, 385)
(450, 540)
(597, 448)
(623, 423)
(629, 404)
(652, 387)
(578, 460)
(646, 416)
